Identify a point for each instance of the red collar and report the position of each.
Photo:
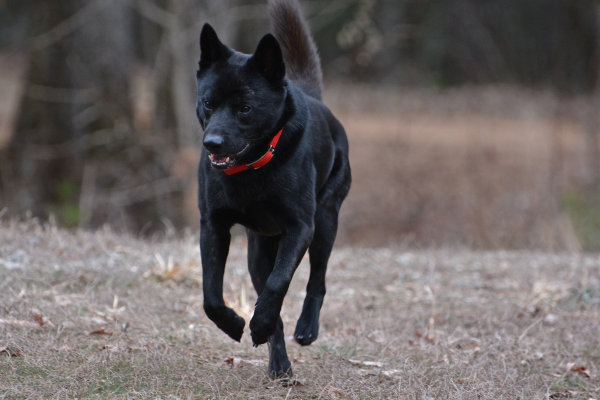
(261, 162)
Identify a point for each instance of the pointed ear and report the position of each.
(268, 59)
(211, 48)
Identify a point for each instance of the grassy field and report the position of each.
(102, 315)
(478, 167)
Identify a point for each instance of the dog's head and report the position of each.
(240, 98)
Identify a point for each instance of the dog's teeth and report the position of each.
(226, 160)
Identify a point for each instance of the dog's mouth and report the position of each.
(224, 161)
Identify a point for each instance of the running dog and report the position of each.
(275, 160)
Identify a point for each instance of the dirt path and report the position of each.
(93, 315)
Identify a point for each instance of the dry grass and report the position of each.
(97, 315)
(479, 167)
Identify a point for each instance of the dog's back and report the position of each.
(302, 62)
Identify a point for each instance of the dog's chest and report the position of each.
(259, 210)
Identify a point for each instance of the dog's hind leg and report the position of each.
(307, 327)
(329, 202)
(279, 364)
(262, 251)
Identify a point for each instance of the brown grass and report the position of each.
(479, 167)
(99, 315)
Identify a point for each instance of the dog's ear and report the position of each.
(268, 59)
(211, 48)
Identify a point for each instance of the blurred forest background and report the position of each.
(471, 122)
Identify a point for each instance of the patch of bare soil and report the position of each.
(98, 315)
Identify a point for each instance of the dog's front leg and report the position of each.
(292, 247)
(214, 247)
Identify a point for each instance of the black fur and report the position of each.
(290, 205)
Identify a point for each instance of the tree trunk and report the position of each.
(77, 84)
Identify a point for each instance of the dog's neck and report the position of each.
(261, 162)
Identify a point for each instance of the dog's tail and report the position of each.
(299, 51)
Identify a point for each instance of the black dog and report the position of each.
(275, 160)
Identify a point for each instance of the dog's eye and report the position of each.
(208, 105)
(245, 109)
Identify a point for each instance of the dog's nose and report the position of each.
(213, 143)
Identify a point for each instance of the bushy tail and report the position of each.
(299, 51)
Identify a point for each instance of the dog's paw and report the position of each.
(235, 328)
(261, 329)
(263, 325)
(280, 370)
(307, 327)
(264, 322)
(226, 320)
(279, 363)
(307, 330)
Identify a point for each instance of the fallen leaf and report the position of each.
(560, 395)
(116, 348)
(10, 352)
(254, 362)
(18, 322)
(367, 363)
(146, 347)
(169, 270)
(583, 371)
(39, 318)
(100, 331)
(291, 382)
(233, 361)
(578, 370)
(391, 372)
(425, 336)
(468, 344)
(150, 346)
(566, 394)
